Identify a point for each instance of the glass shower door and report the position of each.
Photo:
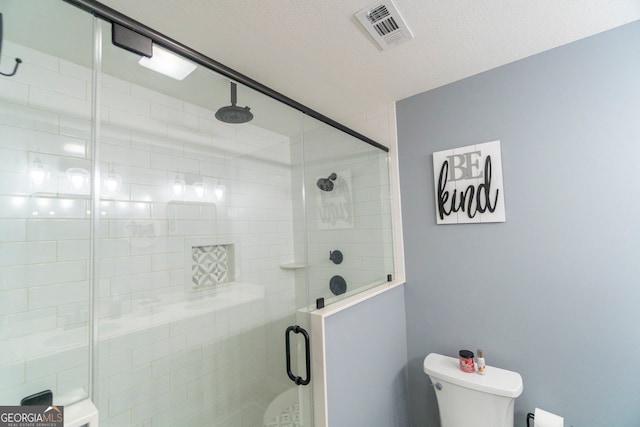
(196, 259)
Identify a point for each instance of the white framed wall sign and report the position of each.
(468, 184)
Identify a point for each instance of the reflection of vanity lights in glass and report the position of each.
(177, 186)
(77, 177)
(37, 173)
(112, 182)
(219, 192)
(200, 189)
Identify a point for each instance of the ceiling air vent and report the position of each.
(385, 24)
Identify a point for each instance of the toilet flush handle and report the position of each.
(437, 386)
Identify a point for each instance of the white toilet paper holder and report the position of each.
(545, 418)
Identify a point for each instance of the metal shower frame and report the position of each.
(113, 16)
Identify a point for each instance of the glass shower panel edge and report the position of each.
(45, 168)
(348, 213)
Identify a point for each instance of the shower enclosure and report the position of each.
(158, 260)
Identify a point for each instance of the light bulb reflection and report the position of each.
(219, 192)
(177, 186)
(78, 178)
(200, 189)
(112, 182)
(37, 173)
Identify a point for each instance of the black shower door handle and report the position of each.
(298, 330)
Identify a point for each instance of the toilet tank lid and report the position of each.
(496, 381)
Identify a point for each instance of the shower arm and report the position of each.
(234, 94)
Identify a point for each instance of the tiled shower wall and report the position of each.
(164, 350)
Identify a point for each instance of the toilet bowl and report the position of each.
(472, 400)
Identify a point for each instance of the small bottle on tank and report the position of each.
(480, 363)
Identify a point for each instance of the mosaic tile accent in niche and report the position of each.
(211, 265)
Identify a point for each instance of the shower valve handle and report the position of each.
(335, 256)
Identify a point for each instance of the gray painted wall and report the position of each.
(554, 292)
(366, 359)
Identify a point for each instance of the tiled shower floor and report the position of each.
(290, 417)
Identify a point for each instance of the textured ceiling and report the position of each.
(317, 53)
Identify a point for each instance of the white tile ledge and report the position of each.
(293, 265)
(50, 342)
(81, 414)
(350, 301)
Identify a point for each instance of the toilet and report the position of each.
(472, 400)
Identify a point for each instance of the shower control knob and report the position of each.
(335, 256)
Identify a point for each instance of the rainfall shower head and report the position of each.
(232, 113)
(326, 184)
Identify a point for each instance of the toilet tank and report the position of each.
(472, 400)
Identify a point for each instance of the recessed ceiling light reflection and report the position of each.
(74, 148)
(17, 201)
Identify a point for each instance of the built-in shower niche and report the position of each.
(212, 264)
